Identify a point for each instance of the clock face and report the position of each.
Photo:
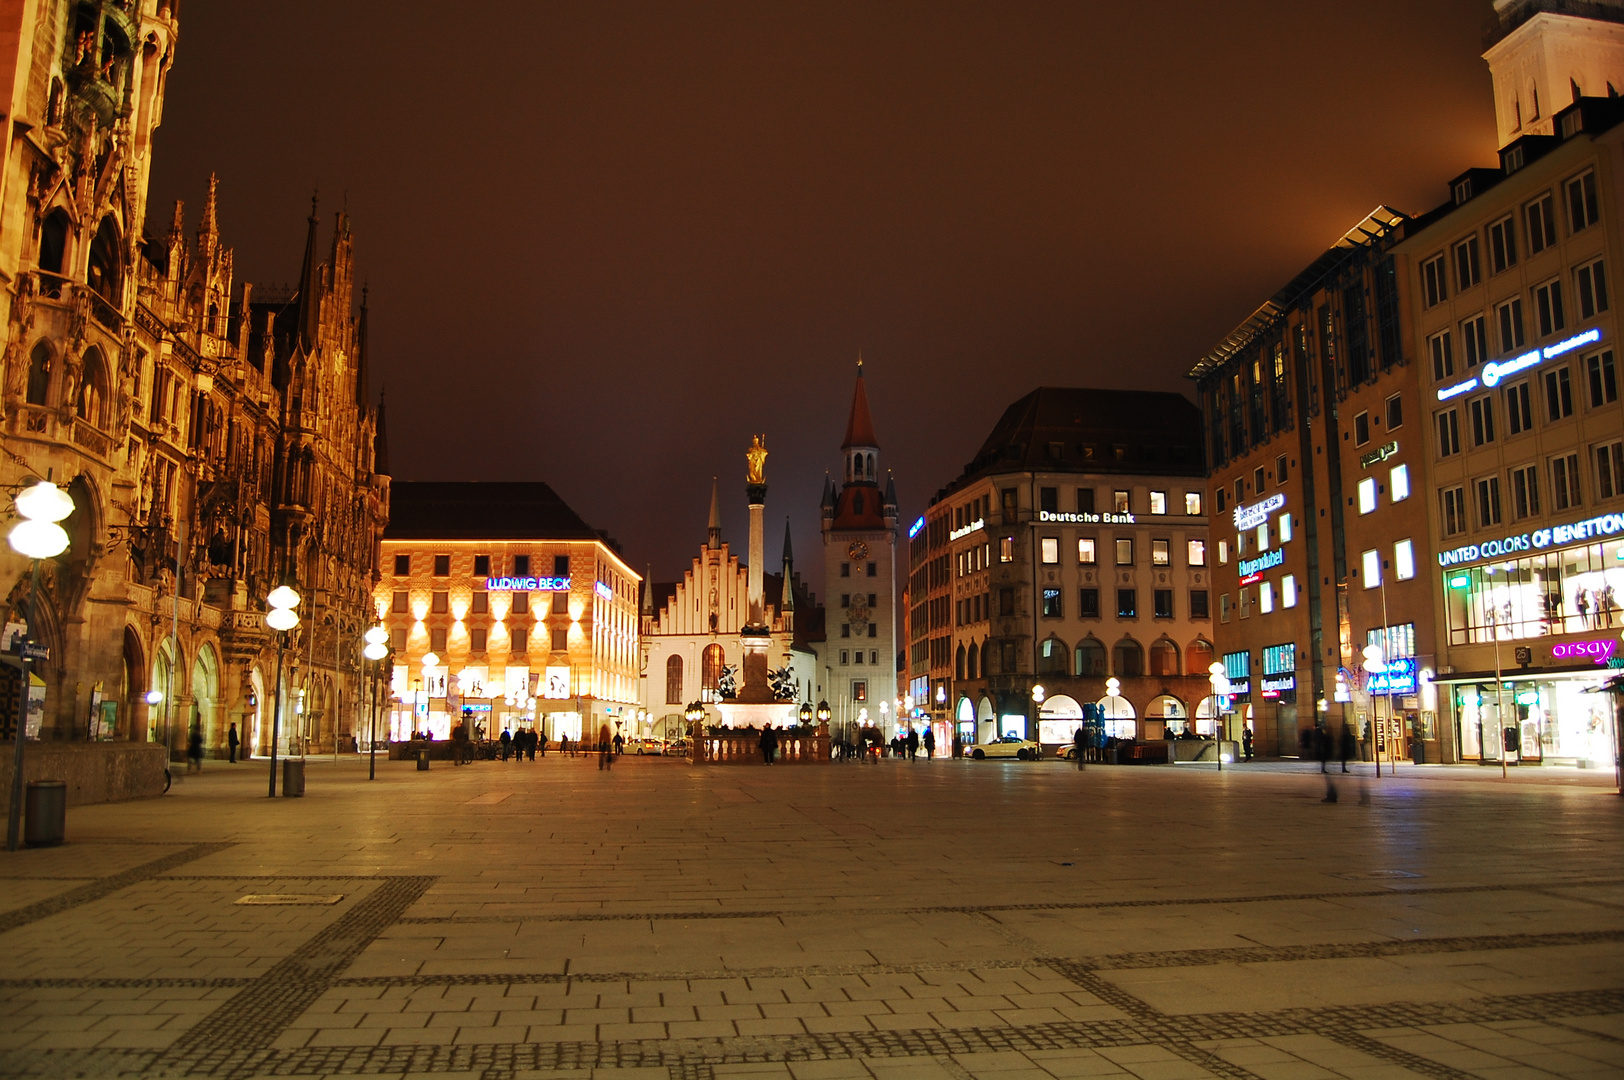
(858, 550)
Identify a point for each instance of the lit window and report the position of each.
(1288, 591)
(1367, 495)
(1158, 502)
(1085, 550)
(1051, 549)
(1399, 482)
(1265, 597)
(1372, 561)
(1404, 560)
(1223, 552)
(1198, 552)
(1006, 549)
(1263, 537)
(1192, 503)
(1119, 501)
(1285, 528)
(1161, 553)
(1124, 552)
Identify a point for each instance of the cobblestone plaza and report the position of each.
(924, 921)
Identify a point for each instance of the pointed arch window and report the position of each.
(91, 401)
(39, 375)
(673, 680)
(714, 661)
(102, 271)
(53, 246)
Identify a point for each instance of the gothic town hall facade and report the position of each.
(217, 440)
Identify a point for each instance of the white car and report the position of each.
(1007, 746)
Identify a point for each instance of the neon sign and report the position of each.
(1253, 568)
(527, 584)
(1086, 517)
(913, 532)
(1250, 517)
(1496, 370)
(1273, 687)
(1601, 649)
(975, 526)
(1399, 678)
(1560, 535)
(603, 590)
(1381, 453)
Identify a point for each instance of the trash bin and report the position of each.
(46, 810)
(423, 760)
(1418, 752)
(292, 777)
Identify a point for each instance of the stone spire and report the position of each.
(713, 534)
(380, 440)
(208, 230)
(361, 351)
(309, 286)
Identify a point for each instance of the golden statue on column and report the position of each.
(756, 458)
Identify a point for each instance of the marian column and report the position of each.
(756, 637)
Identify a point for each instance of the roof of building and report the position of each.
(482, 510)
(1075, 429)
(860, 425)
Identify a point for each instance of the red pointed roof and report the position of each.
(860, 427)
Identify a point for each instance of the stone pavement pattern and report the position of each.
(925, 921)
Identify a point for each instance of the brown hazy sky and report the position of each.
(607, 242)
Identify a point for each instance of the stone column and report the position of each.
(757, 495)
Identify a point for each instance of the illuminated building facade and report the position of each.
(529, 613)
(859, 659)
(1072, 550)
(692, 632)
(1513, 283)
(217, 441)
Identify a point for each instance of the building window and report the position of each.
(1006, 549)
(1511, 325)
(1519, 409)
(521, 566)
(521, 641)
(1049, 547)
(1006, 602)
(673, 680)
(1467, 270)
(1049, 500)
(1591, 284)
(442, 566)
(1085, 550)
(1265, 597)
(1488, 501)
(1565, 482)
(437, 640)
(561, 566)
(1474, 334)
(439, 602)
(1503, 245)
(1196, 552)
(1198, 604)
(1119, 502)
(559, 638)
(1223, 607)
(481, 602)
(845, 569)
(403, 565)
(1240, 490)
(1371, 566)
(1223, 552)
(1288, 591)
(1583, 210)
(845, 657)
(521, 603)
(1192, 503)
(476, 640)
(1128, 658)
(560, 604)
(482, 566)
(1398, 482)
(873, 569)
(1163, 600)
(1541, 218)
(1482, 414)
(1448, 433)
(1009, 506)
(1525, 491)
(1280, 471)
(1434, 287)
(1548, 308)
(857, 657)
(1558, 395)
(1603, 379)
(1124, 551)
(1404, 560)
(1127, 604)
(397, 639)
(401, 602)
(1610, 470)
(1007, 656)
(1442, 352)
(1088, 603)
(1395, 412)
(1367, 495)
(1085, 500)
(1263, 537)
(1285, 528)
(1257, 479)
(1158, 502)
(1454, 506)
(1052, 607)
(859, 690)
(1161, 553)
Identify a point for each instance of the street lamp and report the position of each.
(805, 714)
(37, 536)
(376, 649)
(1375, 664)
(282, 617)
(1218, 676)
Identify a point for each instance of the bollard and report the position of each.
(45, 823)
(292, 778)
(423, 761)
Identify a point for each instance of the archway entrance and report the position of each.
(1058, 720)
(1121, 722)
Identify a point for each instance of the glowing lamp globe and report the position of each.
(281, 618)
(44, 502)
(375, 650)
(38, 539)
(283, 597)
(431, 660)
(154, 696)
(377, 636)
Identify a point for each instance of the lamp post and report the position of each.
(376, 649)
(805, 714)
(282, 617)
(1218, 676)
(1375, 661)
(37, 536)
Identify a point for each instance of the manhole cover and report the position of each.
(287, 899)
(1377, 875)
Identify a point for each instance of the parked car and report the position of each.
(1007, 746)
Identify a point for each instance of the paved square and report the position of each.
(900, 921)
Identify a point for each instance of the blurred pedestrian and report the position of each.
(913, 744)
(507, 743)
(930, 744)
(606, 756)
(620, 743)
(1350, 744)
(769, 744)
(194, 751)
(1246, 744)
(232, 742)
(1079, 745)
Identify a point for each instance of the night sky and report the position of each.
(607, 242)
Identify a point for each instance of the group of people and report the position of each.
(866, 743)
(525, 742)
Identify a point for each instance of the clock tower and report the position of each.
(859, 665)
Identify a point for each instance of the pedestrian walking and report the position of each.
(606, 757)
(1079, 744)
(620, 744)
(930, 744)
(507, 743)
(1246, 744)
(1322, 750)
(232, 742)
(769, 744)
(913, 744)
(194, 751)
(1350, 745)
(540, 743)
